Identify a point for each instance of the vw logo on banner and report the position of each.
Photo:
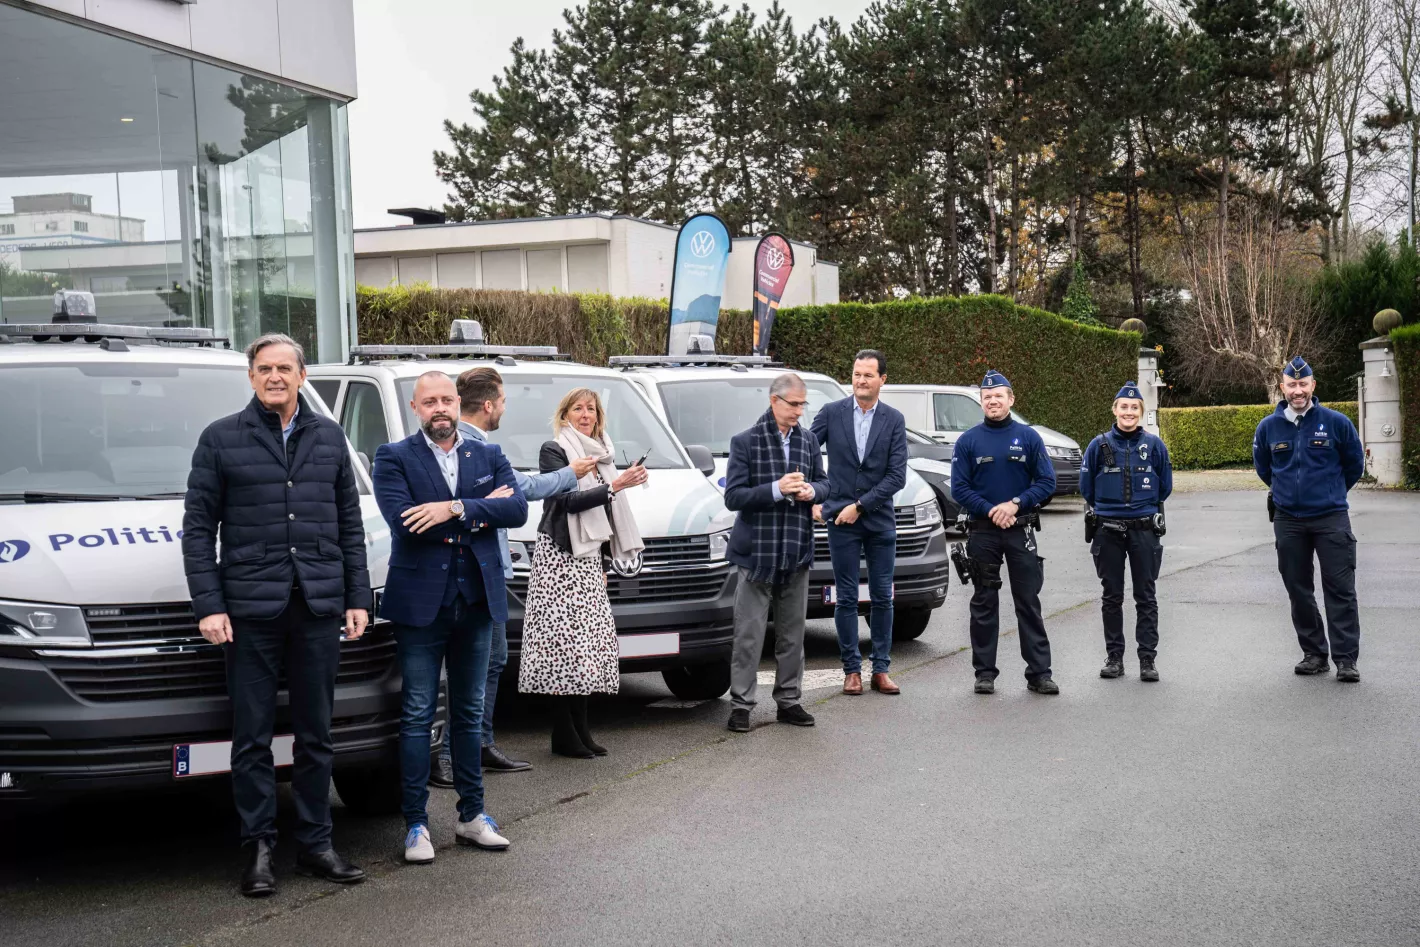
(774, 258)
(702, 254)
(703, 243)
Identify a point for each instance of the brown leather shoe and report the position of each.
(853, 684)
(884, 685)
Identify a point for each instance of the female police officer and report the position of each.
(1125, 479)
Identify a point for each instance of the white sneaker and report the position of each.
(418, 847)
(483, 832)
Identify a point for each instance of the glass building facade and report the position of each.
(178, 192)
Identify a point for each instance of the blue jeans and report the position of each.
(497, 661)
(462, 633)
(847, 547)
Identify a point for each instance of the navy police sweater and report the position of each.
(997, 461)
(1135, 483)
(1309, 463)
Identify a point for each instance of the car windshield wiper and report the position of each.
(53, 496)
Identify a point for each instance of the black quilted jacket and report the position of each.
(279, 513)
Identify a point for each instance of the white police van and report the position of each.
(708, 399)
(674, 609)
(105, 682)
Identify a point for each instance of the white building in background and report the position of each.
(585, 253)
(63, 220)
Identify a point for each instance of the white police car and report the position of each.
(104, 680)
(708, 399)
(674, 610)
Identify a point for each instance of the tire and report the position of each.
(369, 790)
(908, 624)
(699, 681)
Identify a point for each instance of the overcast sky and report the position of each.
(419, 59)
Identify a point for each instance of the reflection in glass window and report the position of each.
(532, 400)
(709, 412)
(363, 418)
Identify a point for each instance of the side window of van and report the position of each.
(953, 412)
(363, 418)
(327, 388)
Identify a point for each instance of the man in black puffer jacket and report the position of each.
(274, 483)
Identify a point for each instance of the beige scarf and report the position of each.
(588, 530)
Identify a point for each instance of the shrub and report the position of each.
(1206, 438)
(1405, 342)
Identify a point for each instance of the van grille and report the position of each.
(908, 546)
(681, 586)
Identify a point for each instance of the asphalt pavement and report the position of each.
(1231, 803)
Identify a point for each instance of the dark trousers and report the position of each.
(1330, 540)
(459, 636)
(497, 661)
(1027, 573)
(848, 546)
(1145, 553)
(307, 648)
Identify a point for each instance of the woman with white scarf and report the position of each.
(569, 647)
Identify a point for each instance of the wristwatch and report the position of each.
(456, 508)
(859, 507)
(1016, 500)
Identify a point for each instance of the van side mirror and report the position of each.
(701, 457)
(364, 460)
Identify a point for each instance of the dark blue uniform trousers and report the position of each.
(1146, 555)
(1027, 573)
(1330, 540)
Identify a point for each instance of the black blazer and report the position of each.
(556, 509)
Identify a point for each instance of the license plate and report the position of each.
(649, 646)
(830, 593)
(209, 759)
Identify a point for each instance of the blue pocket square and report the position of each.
(482, 480)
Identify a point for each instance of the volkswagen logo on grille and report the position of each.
(702, 243)
(628, 568)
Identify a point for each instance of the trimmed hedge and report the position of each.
(1065, 374)
(1405, 341)
(1205, 438)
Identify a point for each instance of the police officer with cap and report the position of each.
(1001, 475)
(1311, 456)
(1125, 479)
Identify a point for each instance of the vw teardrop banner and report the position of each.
(773, 262)
(702, 252)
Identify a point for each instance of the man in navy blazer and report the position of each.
(867, 464)
(445, 496)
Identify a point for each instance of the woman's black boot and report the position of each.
(565, 741)
(579, 723)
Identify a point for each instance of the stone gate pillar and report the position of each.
(1379, 406)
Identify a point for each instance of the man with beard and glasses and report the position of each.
(445, 496)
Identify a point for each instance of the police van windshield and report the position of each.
(532, 399)
(105, 431)
(711, 411)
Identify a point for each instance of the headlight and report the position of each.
(1058, 451)
(719, 545)
(930, 465)
(928, 514)
(518, 553)
(35, 624)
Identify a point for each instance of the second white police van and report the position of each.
(674, 610)
(708, 399)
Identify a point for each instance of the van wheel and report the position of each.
(698, 681)
(909, 623)
(369, 790)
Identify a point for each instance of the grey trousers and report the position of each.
(790, 599)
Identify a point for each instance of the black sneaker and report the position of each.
(796, 715)
(1313, 664)
(985, 685)
(1043, 685)
(739, 720)
(1113, 666)
(442, 774)
(1346, 672)
(1147, 671)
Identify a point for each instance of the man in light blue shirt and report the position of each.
(862, 426)
(481, 406)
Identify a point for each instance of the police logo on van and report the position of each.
(13, 550)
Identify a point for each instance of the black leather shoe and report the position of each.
(1346, 672)
(985, 685)
(494, 761)
(258, 880)
(329, 866)
(442, 774)
(739, 720)
(1313, 664)
(1113, 666)
(796, 715)
(1147, 671)
(1043, 685)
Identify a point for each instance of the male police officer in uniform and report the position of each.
(1125, 479)
(1001, 475)
(1310, 456)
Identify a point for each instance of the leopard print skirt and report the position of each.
(569, 636)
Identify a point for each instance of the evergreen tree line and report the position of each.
(1197, 162)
